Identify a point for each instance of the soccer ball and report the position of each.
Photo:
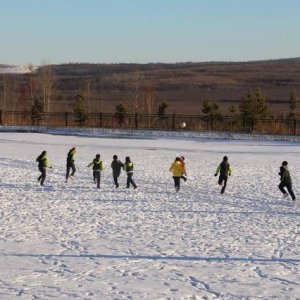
(183, 125)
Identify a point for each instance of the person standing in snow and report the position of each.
(225, 170)
(182, 160)
(285, 180)
(177, 169)
(116, 166)
(71, 163)
(43, 164)
(128, 168)
(98, 166)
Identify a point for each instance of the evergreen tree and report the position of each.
(294, 101)
(232, 109)
(37, 110)
(211, 111)
(120, 113)
(80, 110)
(162, 110)
(254, 106)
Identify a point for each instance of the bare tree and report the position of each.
(31, 84)
(137, 93)
(86, 91)
(46, 79)
(149, 97)
(148, 101)
(4, 92)
(14, 95)
(9, 94)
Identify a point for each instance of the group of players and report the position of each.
(96, 164)
(178, 169)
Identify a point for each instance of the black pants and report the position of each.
(223, 181)
(130, 180)
(97, 177)
(177, 182)
(116, 181)
(42, 177)
(183, 177)
(70, 165)
(289, 188)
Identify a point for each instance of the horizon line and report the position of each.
(4, 65)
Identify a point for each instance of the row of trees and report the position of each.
(253, 107)
(40, 85)
(36, 90)
(81, 115)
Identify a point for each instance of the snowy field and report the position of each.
(72, 241)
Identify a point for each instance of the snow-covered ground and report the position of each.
(67, 241)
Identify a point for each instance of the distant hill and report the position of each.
(182, 85)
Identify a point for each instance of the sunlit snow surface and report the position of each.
(67, 241)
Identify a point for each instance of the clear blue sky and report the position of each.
(142, 31)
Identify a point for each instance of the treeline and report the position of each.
(186, 88)
(253, 108)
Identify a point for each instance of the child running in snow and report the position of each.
(128, 168)
(98, 166)
(225, 169)
(71, 163)
(116, 166)
(43, 165)
(177, 170)
(286, 181)
(182, 160)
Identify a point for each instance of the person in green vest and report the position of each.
(286, 181)
(128, 168)
(98, 166)
(43, 164)
(71, 163)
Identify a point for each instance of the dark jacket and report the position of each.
(285, 176)
(116, 166)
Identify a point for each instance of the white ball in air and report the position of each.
(183, 125)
